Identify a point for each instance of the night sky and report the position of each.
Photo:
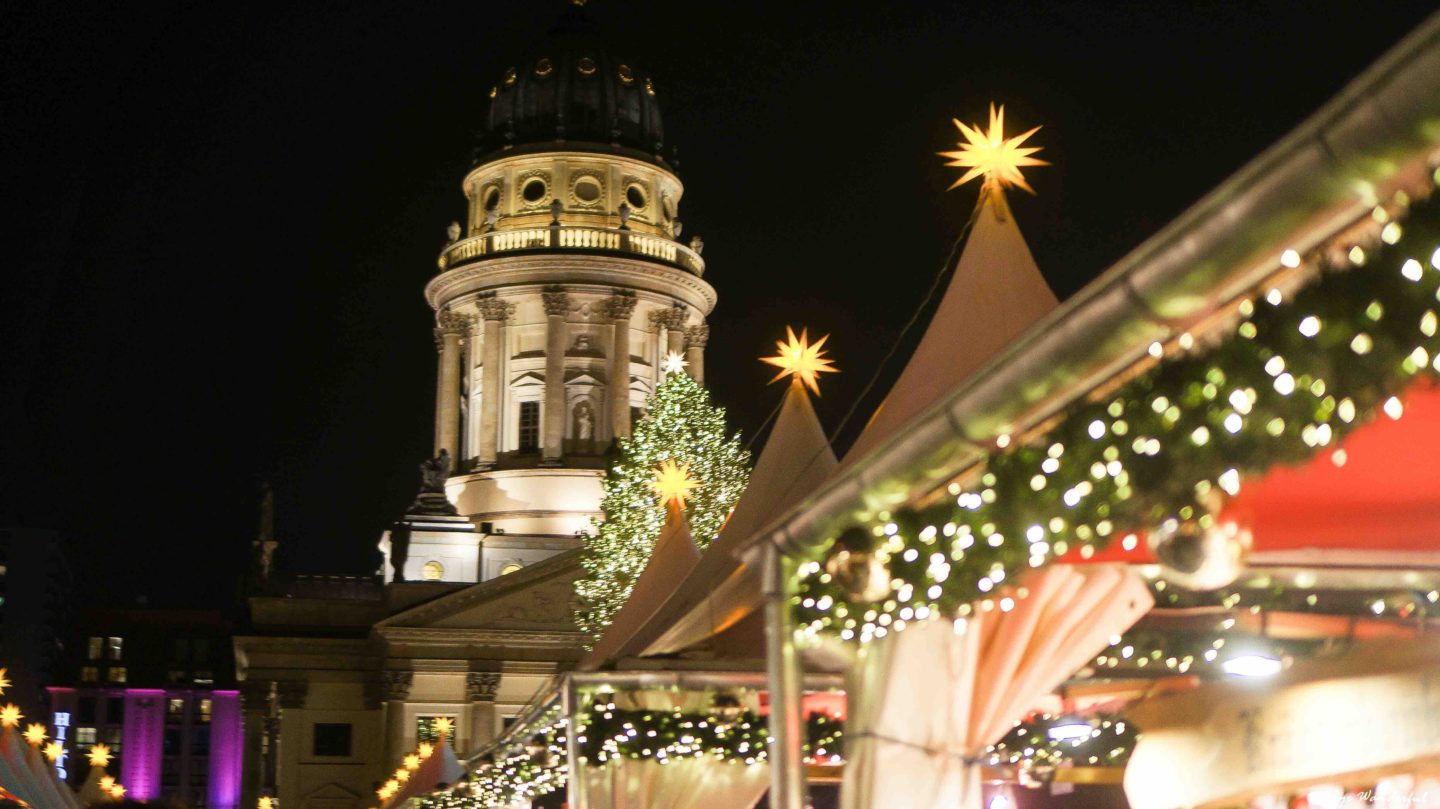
(220, 216)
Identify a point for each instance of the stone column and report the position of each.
(255, 710)
(619, 308)
(449, 333)
(394, 690)
(495, 312)
(552, 437)
(695, 339)
(290, 740)
(672, 320)
(480, 688)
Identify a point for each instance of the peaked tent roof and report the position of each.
(28, 776)
(996, 293)
(721, 590)
(670, 563)
(59, 793)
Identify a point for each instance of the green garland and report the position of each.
(1295, 377)
(680, 424)
(610, 733)
(1029, 745)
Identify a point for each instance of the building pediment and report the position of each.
(537, 599)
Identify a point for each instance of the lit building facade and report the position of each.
(157, 687)
(561, 291)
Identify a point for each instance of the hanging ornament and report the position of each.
(857, 566)
(1201, 558)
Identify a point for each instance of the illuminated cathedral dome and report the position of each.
(571, 89)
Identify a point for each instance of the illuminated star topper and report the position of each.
(35, 734)
(54, 751)
(107, 783)
(673, 482)
(801, 359)
(444, 725)
(674, 363)
(992, 156)
(99, 755)
(10, 716)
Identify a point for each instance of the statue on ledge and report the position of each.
(434, 471)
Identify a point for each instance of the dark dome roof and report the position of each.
(570, 88)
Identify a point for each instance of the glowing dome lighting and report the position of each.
(673, 482)
(797, 357)
(1252, 665)
(1069, 729)
(991, 155)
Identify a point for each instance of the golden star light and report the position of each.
(54, 751)
(673, 482)
(674, 363)
(117, 792)
(265, 802)
(800, 359)
(35, 734)
(402, 775)
(412, 761)
(425, 750)
(107, 783)
(4, 681)
(99, 755)
(991, 155)
(444, 725)
(10, 716)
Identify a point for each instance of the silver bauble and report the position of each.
(1201, 558)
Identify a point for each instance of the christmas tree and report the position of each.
(682, 426)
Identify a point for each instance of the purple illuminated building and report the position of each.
(157, 686)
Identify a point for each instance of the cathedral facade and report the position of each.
(556, 301)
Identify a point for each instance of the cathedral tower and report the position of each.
(558, 299)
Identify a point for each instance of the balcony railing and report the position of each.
(565, 237)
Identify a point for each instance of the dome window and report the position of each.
(586, 66)
(635, 195)
(544, 67)
(534, 190)
(492, 198)
(587, 190)
(627, 76)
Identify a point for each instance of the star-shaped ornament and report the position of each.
(674, 363)
(991, 155)
(673, 482)
(797, 357)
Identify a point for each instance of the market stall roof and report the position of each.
(671, 561)
(994, 295)
(721, 590)
(1377, 136)
(439, 769)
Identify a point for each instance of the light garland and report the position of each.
(1030, 747)
(683, 428)
(725, 734)
(1148, 653)
(1295, 377)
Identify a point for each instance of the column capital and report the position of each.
(395, 683)
(480, 686)
(557, 300)
(673, 318)
(620, 305)
(254, 694)
(492, 308)
(449, 322)
(697, 335)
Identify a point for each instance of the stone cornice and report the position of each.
(449, 638)
(493, 589)
(562, 268)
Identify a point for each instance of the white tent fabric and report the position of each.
(927, 701)
(996, 294)
(29, 777)
(721, 590)
(59, 793)
(680, 784)
(671, 561)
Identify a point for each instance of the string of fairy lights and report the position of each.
(725, 732)
(1046, 741)
(1299, 371)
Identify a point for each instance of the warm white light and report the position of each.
(989, 154)
(1252, 665)
(1393, 408)
(1310, 326)
(1069, 729)
(1290, 259)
